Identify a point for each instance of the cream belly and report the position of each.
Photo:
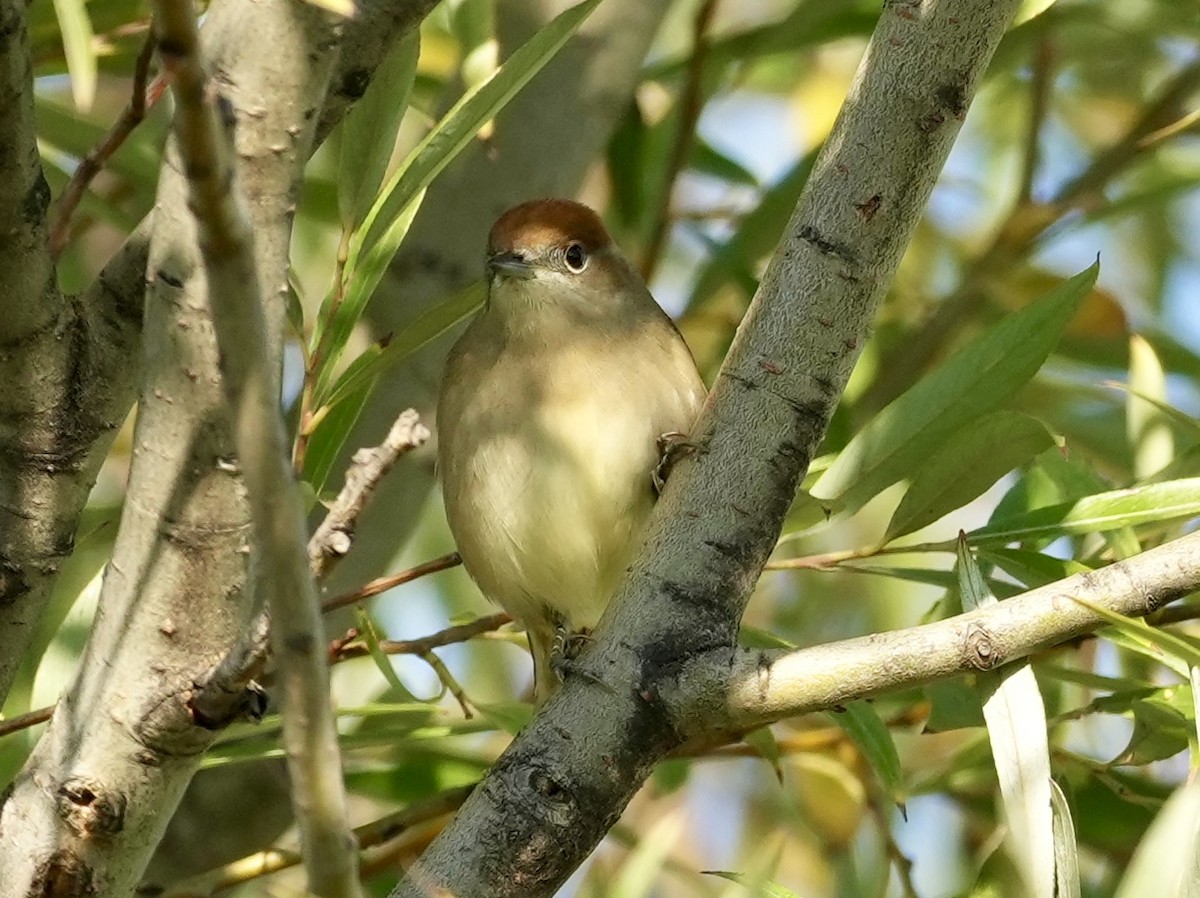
(548, 487)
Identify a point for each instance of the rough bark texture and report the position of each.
(92, 801)
(551, 797)
(725, 695)
(69, 368)
(61, 365)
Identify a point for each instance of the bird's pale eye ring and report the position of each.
(576, 257)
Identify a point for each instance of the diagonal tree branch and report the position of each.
(760, 687)
(564, 781)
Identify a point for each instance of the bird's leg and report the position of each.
(672, 446)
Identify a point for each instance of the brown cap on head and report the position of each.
(541, 223)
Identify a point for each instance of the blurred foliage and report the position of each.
(1051, 418)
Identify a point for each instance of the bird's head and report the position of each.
(556, 252)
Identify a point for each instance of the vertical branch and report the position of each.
(276, 508)
(691, 103)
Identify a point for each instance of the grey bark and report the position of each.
(566, 778)
(759, 687)
(94, 797)
(69, 366)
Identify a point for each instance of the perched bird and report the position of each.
(553, 409)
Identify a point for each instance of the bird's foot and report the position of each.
(672, 446)
(565, 650)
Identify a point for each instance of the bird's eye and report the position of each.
(576, 257)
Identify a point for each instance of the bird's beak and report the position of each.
(510, 265)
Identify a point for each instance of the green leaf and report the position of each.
(369, 132)
(644, 866)
(415, 336)
(707, 159)
(361, 282)
(874, 740)
(1016, 724)
(1031, 569)
(1167, 862)
(763, 741)
(965, 466)
(327, 439)
(1066, 852)
(511, 717)
(1159, 732)
(760, 889)
(979, 378)
(79, 47)
(956, 706)
(459, 125)
(348, 396)
(1149, 434)
(1153, 503)
(1175, 650)
(366, 628)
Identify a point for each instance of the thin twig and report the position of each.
(1039, 102)
(447, 679)
(92, 164)
(25, 721)
(383, 584)
(691, 103)
(350, 646)
(334, 537)
(312, 366)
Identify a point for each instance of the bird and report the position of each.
(560, 407)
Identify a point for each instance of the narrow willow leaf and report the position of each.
(363, 279)
(1016, 724)
(1194, 739)
(459, 125)
(1184, 651)
(369, 132)
(969, 462)
(1153, 503)
(1146, 427)
(80, 50)
(1167, 862)
(1066, 851)
(1031, 569)
(762, 890)
(425, 329)
(979, 378)
(643, 868)
(874, 740)
(328, 437)
(347, 397)
(366, 629)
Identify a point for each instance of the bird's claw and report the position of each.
(565, 649)
(672, 446)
